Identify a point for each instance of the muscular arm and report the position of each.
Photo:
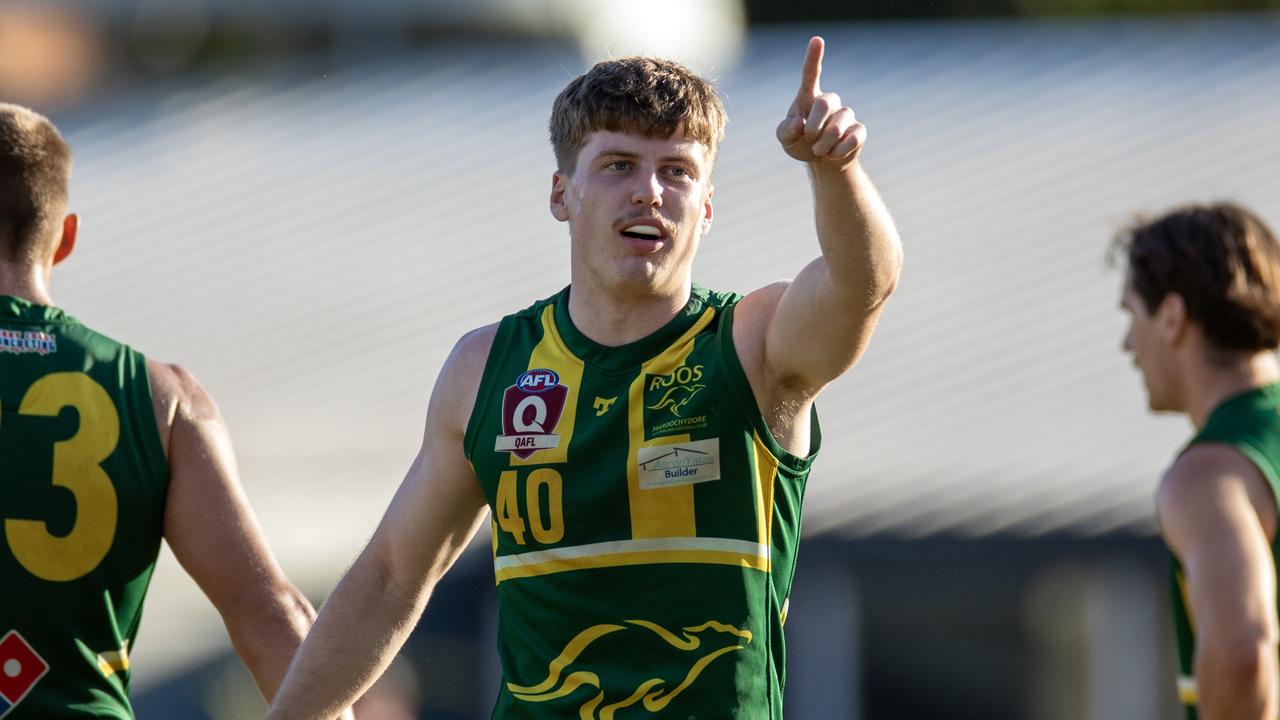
(796, 337)
(436, 511)
(214, 534)
(1216, 513)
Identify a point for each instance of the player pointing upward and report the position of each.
(642, 442)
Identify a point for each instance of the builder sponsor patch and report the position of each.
(679, 463)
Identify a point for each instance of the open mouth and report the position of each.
(641, 231)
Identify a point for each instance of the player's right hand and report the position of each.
(819, 129)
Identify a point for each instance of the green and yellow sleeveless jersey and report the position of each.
(644, 520)
(1250, 423)
(82, 487)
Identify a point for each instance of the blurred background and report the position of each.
(306, 203)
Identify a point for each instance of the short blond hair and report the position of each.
(649, 96)
(35, 170)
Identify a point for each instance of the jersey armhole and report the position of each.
(145, 420)
(501, 339)
(747, 401)
(1268, 473)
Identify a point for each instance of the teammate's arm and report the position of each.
(1216, 512)
(805, 333)
(214, 534)
(436, 511)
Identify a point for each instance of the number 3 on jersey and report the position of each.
(76, 467)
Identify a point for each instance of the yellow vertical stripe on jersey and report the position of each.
(551, 353)
(659, 512)
(766, 476)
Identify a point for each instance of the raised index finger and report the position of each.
(812, 69)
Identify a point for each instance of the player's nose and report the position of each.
(647, 190)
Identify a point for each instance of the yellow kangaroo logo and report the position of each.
(655, 693)
(676, 398)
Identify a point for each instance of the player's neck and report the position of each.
(1216, 383)
(614, 318)
(25, 281)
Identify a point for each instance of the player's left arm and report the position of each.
(1216, 512)
(814, 328)
(215, 535)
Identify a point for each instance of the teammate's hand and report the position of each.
(818, 129)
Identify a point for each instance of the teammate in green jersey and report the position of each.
(103, 452)
(641, 442)
(1202, 290)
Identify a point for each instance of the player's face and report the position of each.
(637, 208)
(1150, 353)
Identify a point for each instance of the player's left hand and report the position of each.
(818, 129)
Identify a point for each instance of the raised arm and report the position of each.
(1216, 513)
(798, 336)
(214, 534)
(436, 511)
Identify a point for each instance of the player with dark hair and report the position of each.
(102, 453)
(1202, 290)
(642, 442)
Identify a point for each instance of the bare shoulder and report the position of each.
(1204, 471)
(1210, 484)
(460, 377)
(177, 396)
(473, 347)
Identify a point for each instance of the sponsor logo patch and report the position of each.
(19, 342)
(20, 669)
(530, 410)
(679, 464)
(672, 405)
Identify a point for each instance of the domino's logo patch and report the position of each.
(20, 669)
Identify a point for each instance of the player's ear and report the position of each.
(559, 186)
(1171, 318)
(66, 243)
(708, 210)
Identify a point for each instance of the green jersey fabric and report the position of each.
(83, 478)
(645, 521)
(1250, 423)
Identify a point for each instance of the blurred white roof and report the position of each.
(311, 244)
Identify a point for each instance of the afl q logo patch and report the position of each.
(530, 410)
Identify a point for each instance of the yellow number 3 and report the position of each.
(76, 467)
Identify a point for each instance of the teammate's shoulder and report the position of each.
(1203, 471)
(177, 388)
(91, 338)
(1202, 491)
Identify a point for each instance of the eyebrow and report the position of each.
(615, 152)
